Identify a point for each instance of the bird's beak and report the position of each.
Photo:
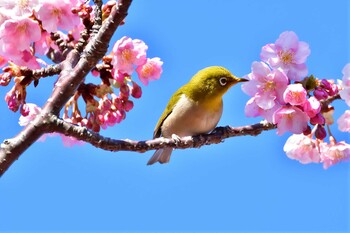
(238, 80)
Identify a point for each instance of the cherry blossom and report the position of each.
(312, 106)
(344, 122)
(253, 110)
(288, 54)
(19, 7)
(302, 148)
(334, 153)
(57, 14)
(290, 119)
(29, 112)
(25, 30)
(295, 94)
(151, 70)
(267, 86)
(128, 53)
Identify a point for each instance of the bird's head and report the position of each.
(212, 82)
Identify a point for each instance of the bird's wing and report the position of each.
(169, 108)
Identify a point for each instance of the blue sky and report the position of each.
(244, 184)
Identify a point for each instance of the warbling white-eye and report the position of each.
(193, 109)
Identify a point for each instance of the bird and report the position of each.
(195, 108)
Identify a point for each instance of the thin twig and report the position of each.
(98, 17)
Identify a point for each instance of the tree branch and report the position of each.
(325, 103)
(11, 149)
(34, 75)
(105, 143)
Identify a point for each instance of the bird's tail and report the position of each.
(161, 156)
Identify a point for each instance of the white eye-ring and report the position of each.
(223, 81)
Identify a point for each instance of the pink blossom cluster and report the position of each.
(278, 88)
(111, 109)
(306, 150)
(31, 23)
(105, 108)
(129, 55)
(39, 26)
(282, 94)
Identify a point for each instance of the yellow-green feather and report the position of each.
(169, 108)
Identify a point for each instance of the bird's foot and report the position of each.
(219, 129)
(176, 138)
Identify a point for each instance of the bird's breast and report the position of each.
(189, 118)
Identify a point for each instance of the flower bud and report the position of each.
(13, 102)
(118, 102)
(5, 78)
(312, 106)
(124, 91)
(320, 132)
(329, 87)
(325, 84)
(122, 114)
(95, 72)
(307, 131)
(25, 110)
(136, 90)
(318, 119)
(320, 94)
(119, 77)
(128, 105)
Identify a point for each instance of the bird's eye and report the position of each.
(223, 81)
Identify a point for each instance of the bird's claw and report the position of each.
(218, 129)
(176, 138)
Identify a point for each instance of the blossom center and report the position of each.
(56, 12)
(298, 97)
(22, 27)
(286, 56)
(23, 3)
(127, 55)
(338, 154)
(289, 116)
(147, 70)
(269, 86)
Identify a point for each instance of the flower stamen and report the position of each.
(287, 57)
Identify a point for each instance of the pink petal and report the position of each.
(251, 108)
(344, 122)
(287, 40)
(260, 70)
(297, 72)
(290, 119)
(268, 52)
(251, 87)
(302, 53)
(265, 100)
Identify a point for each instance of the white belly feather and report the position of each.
(187, 119)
